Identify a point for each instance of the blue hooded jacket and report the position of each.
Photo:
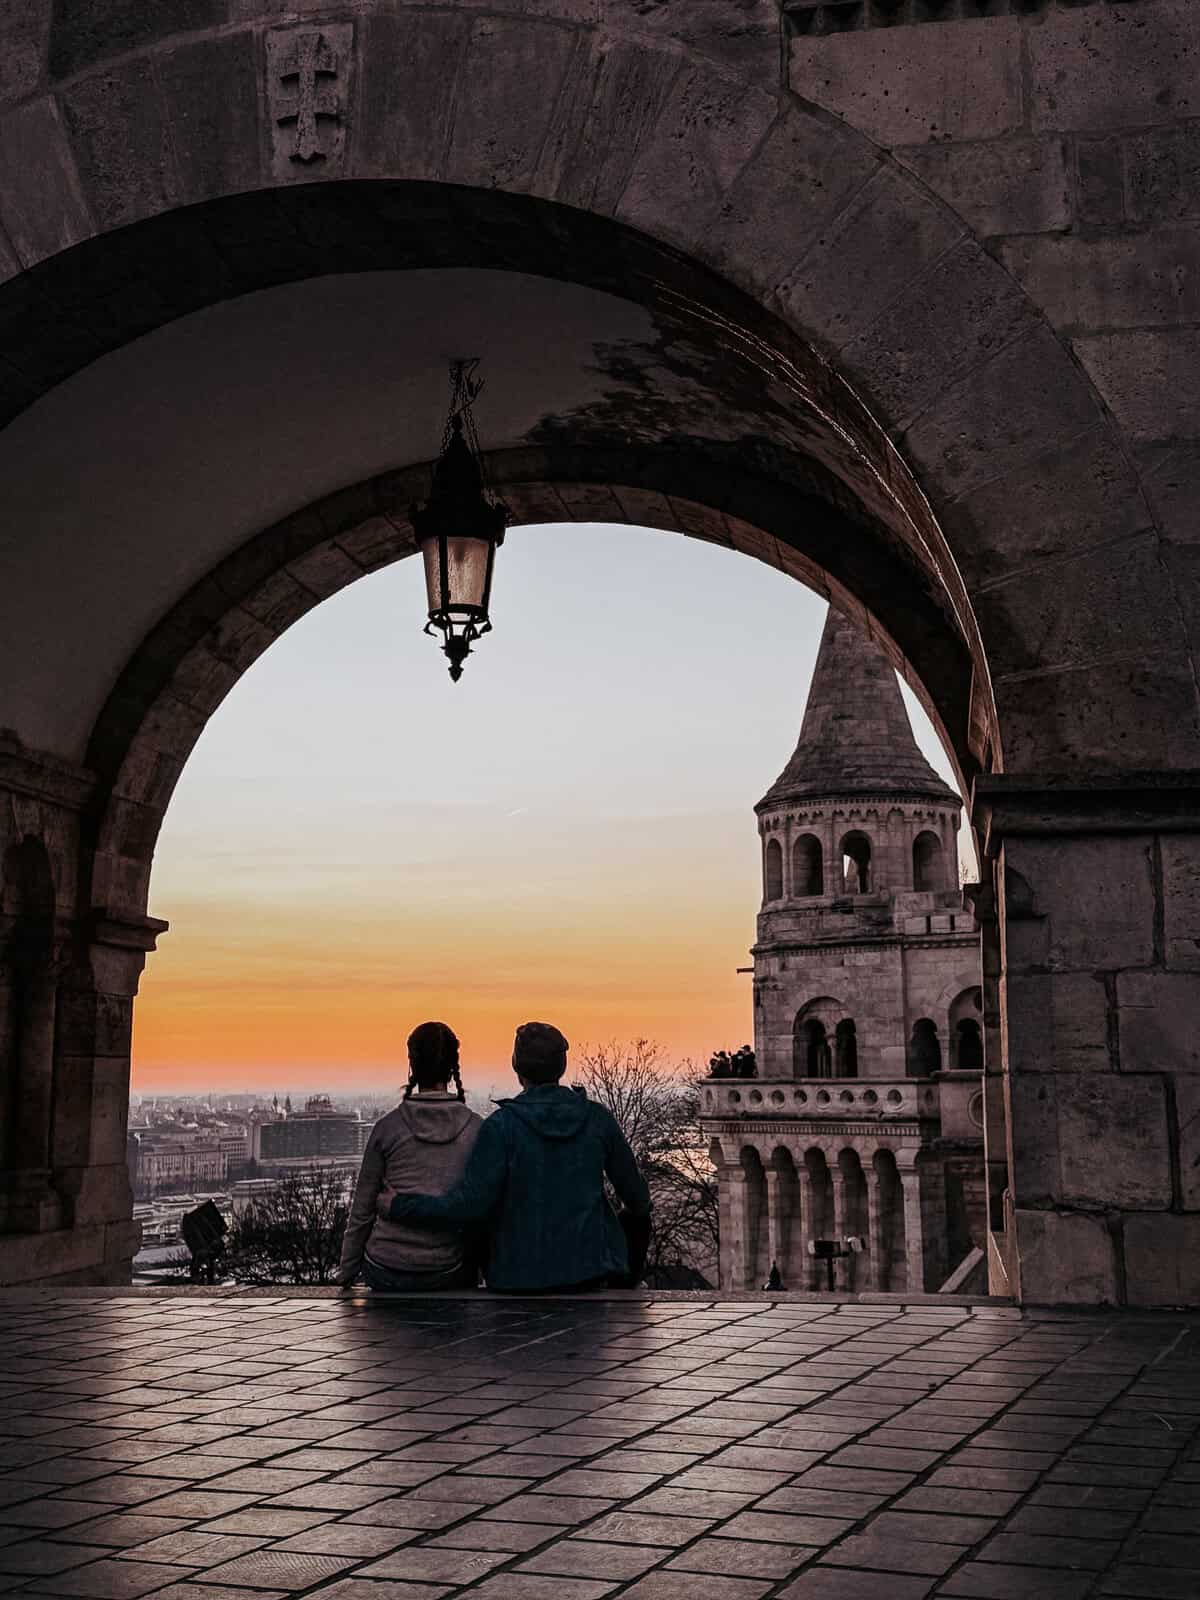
(535, 1179)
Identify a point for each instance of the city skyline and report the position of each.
(568, 833)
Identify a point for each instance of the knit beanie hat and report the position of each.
(539, 1052)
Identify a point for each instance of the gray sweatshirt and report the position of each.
(419, 1148)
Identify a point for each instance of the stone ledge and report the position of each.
(1051, 803)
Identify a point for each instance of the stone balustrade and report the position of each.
(906, 1099)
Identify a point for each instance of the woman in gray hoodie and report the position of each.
(420, 1147)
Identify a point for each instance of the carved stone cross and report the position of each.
(307, 73)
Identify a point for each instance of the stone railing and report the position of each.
(906, 1098)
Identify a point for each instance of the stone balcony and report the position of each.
(874, 1099)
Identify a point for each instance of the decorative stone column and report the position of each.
(845, 1267)
(914, 1221)
(982, 898)
(776, 1223)
(876, 1266)
(1098, 891)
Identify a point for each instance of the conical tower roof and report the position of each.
(856, 737)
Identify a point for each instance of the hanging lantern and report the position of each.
(460, 528)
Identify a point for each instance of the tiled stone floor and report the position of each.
(249, 1448)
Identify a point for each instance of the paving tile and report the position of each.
(433, 1565)
(839, 1583)
(631, 1527)
(682, 1586)
(525, 1586)
(37, 1556)
(557, 1508)
(191, 1548)
(268, 1522)
(108, 1580)
(983, 1580)
(1034, 1550)
(367, 1589)
(884, 1552)
(278, 1569)
(346, 1539)
(588, 1558)
(785, 1528)
(515, 1537)
(742, 1557)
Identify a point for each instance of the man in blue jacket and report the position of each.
(535, 1179)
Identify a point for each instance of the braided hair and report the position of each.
(433, 1058)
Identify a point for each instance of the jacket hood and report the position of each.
(436, 1119)
(550, 1110)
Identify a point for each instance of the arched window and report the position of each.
(811, 1055)
(966, 1031)
(773, 871)
(968, 1046)
(924, 1050)
(845, 1050)
(808, 874)
(856, 863)
(928, 876)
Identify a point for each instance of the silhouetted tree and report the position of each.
(657, 1105)
(291, 1234)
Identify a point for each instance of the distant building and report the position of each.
(318, 1130)
(865, 1116)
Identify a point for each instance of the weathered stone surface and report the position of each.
(1028, 398)
(498, 131)
(1057, 1022)
(1014, 185)
(1181, 902)
(1033, 619)
(1159, 1019)
(1113, 1137)
(1097, 895)
(908, 85)
(1171, 477)
(901, 359)
(24, 30)
(1162, 1260)
(1139, 280)
(865, 258)
(87, 31)
(41, 206)
(1080, 494)
(122, 145)
(1065, 1258)
(1186, 1091)
(720, 124)
(1162, 173)
(1111, 67)
(1106, 716)
(407, 93)
(211, 93)
(1150, 380)
(804, 165)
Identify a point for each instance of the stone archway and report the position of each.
(916, 410)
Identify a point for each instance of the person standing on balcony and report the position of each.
(535, 1180)
(424, 1144)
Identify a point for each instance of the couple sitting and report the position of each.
(444, 1193)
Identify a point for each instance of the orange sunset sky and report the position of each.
(357, 844)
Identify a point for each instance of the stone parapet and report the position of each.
(791, 1100)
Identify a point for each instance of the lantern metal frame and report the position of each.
(461, 507)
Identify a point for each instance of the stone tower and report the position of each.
(865, 1117)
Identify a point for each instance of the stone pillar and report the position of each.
(876, 1274)
(738, 1230)
(28, 1201)
(842, 1269)
(776, 1227)
(1099, 909)
(914, 1221)
(810, 1211)
(982, 898)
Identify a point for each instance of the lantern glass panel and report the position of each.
(467, 562)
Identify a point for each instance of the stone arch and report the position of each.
(892, 1266)
(787, 1219)
(758, 181)
(845, 1049)
(928, 863)
(814, 1036)
(808, 869)
(773, 870)
(855, 1215)
(682, 178)
(858, 873)
(965, 1032)
(924, 1055)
